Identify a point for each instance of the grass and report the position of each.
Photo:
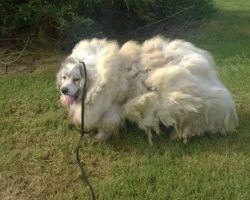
(37, 141)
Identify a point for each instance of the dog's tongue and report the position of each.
(69, 100)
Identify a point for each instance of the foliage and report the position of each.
(74, 19)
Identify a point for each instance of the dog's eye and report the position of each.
(64, 77)
(76, 79)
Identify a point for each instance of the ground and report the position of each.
(38, 144)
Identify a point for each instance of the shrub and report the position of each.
(67, 21)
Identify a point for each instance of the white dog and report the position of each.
(157, 82)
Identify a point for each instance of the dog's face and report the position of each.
(70, 79)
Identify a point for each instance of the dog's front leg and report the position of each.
(150, 136)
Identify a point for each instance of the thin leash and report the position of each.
(82, 133)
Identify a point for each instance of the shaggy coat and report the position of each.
(157, 82)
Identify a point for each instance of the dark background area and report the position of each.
(61, 23)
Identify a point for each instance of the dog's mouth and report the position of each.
(69, 100)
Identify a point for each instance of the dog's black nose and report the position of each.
(64, 90)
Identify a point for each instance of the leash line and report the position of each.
(81, 166)
(82, 132)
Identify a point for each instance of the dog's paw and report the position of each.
(102, 136)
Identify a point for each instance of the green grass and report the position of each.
(37, 142)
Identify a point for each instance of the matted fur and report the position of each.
(157, 82)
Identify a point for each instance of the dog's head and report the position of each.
(70, 80)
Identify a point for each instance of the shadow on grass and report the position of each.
(135, 140)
